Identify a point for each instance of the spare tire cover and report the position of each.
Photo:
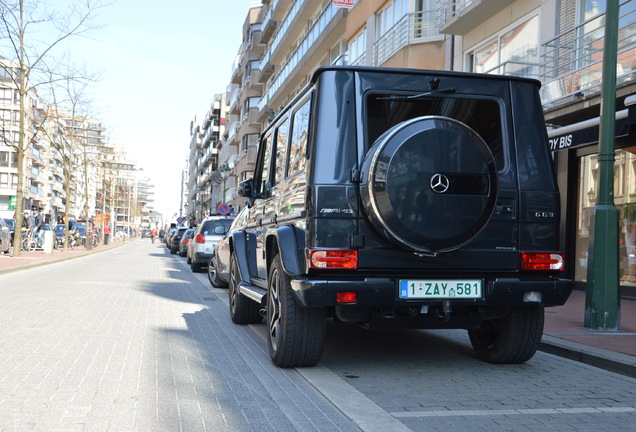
(429, 184)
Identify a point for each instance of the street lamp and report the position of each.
(225, 173)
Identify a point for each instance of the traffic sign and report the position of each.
(180, 220)
(223, 209)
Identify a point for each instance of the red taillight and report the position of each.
(333, 259)
(346, 297)
(542, 261)
(199, 238)
(186, 240)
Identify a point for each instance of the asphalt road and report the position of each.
(131, 340)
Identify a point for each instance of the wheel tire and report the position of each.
(195, 267)
(430, 184)
(511, 339)
(212, 276)
(189, 261)
(182, 254)
(242, 309)
(173, 251)
(295, 334)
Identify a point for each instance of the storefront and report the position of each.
(575, 152)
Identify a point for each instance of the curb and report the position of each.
(26, 266)
(609, 360)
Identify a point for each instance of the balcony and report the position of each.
(319, 29)
(294, 18)
(268, 25)
(236, 66)
(572, 62)
(413, 28)
(458, 17)
(233, 99)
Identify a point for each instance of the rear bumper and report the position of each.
(201, 257)
(383, 292)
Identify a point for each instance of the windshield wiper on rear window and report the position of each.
(417, 96)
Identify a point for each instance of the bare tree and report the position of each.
(30, 36)
(65, 120)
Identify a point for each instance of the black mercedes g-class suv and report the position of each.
(398, 198)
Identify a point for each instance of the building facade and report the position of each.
(68, 168)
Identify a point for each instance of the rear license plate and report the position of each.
(441, 289)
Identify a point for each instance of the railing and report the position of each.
(413, 28)
(327, 14)
(572, 62)
(449, 9)
(281, 32)
(517, 69)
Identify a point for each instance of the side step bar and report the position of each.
(252, 292)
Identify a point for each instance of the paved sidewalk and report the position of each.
(564, 333)
(9, 263)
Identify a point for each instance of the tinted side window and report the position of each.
(298, 145)
(282, 134)
(263, 185)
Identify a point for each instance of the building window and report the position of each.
(358, 49)
(390, 15)
(249, 140)
(625, 200)
(8, 181)
(512, 52)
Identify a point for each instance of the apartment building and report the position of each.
(63, 150)
(35, 160)
(202, 184)
(561, 44)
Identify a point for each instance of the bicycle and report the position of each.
(31, 242)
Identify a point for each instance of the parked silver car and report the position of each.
(6, 243)
(207, 234)
(219, 264)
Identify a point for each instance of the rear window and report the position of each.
(218, 226)
(384, 111)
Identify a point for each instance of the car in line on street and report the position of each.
(175, 239)
(440, 211)
(146, 233)
(6, 243)
(219, 263)
(11, 224)
(168, 236)
(207, 234)
(185, 241)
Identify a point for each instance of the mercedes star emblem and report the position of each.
(439, 183)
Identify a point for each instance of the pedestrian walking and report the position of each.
(106, 233)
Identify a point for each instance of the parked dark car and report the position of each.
(185, 241)
(175, 239)
(441, 210)
(169, 235)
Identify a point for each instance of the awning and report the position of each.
(587, 132)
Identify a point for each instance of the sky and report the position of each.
(160, 63)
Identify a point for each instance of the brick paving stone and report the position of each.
(123, 341)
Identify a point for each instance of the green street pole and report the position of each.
(602, 300)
